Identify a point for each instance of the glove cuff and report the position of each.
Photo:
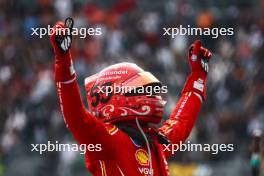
(64, 70)
(196, 82)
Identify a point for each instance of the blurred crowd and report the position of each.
(132, 31)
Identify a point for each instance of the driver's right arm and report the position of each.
(85, 128)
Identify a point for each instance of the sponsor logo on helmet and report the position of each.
(117, 72)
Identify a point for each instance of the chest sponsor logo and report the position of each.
(145, 171)
(142, 157)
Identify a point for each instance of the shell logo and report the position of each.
(142, 157)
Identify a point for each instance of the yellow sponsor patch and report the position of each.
(111, 129)
(142, 157)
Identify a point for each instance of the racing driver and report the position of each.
(125, 124)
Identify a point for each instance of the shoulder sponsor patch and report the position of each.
(111, 129)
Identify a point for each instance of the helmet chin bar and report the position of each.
(142, 107)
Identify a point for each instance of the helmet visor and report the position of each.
(141, 84)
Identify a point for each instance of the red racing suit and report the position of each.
(119, 155)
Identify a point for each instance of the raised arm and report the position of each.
(85, 128)
(178, 127)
